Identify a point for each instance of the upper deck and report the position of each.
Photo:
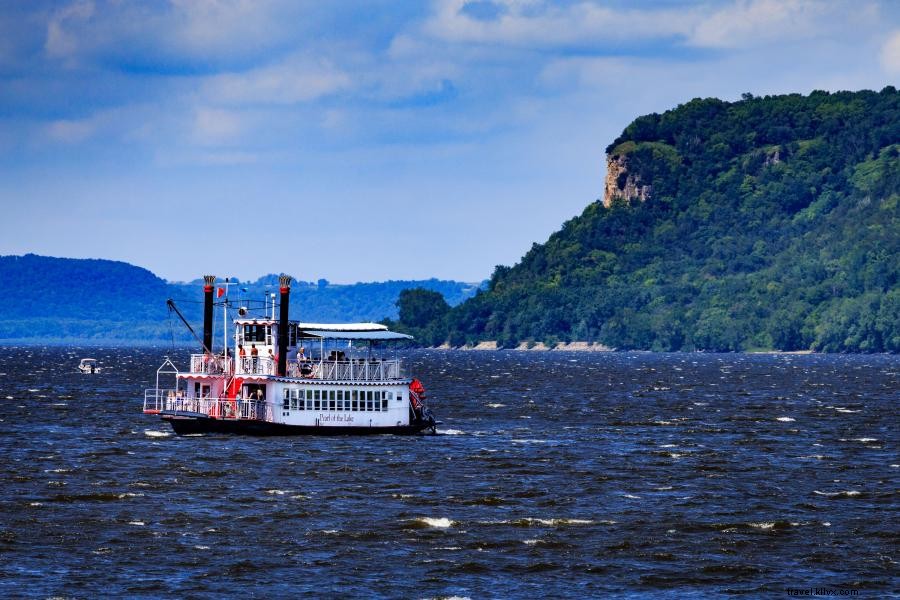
(361, 369)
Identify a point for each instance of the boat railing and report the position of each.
(210, 364)
(249, 365)
(157, 401)
(347, 370)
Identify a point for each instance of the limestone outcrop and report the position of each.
(622, 184)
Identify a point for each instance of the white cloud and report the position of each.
(542, 24)
(289, 82)
(751, 22)
(890, 54)
(216, 126)
(177, 31)
(71, 131)
(61, 42)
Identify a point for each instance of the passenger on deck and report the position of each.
(254, 358)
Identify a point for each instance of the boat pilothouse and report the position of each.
(283, 377)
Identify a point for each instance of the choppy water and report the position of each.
(557, 475)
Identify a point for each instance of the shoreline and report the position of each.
(491, 345)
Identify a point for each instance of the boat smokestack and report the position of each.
(208, 281)
(284, 282)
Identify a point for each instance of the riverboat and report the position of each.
(284, 377)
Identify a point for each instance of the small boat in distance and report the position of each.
(284, 377)
(88, 365)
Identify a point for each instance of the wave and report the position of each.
(156, 434)
(842, 494)
(435, 522)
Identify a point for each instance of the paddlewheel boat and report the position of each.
(284, 377)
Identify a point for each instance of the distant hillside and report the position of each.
(768, 223)
(82, 300)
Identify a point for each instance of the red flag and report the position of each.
(220, 292)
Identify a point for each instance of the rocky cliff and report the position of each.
(620, 183)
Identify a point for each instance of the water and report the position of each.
(557, 475)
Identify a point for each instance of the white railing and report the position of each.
(256, 366)
(210, 364)
(156, 401)
(341, 370)
(362, 370)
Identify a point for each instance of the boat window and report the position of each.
(309, 394)
(317, 405)
(255, 333)
(287, 398)
(309, 405)
(355, 403)
(384, 400)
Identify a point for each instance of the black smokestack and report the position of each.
(284, 283)
(208, 281)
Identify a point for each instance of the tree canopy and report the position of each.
(772, 223)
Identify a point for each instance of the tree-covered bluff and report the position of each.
(767, 223)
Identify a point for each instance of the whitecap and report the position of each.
(764, 525)
(668, 446)
(154, 433)
(556, 522)
(9, 398)
(846, 410)
(276, 492)
(198, 547)
(530, 542)
(452, 432)
(785, 419)
(495, 405)
(632, 496)
(137, 523)
(35, 504)
(865, 440)
(129, 495)
(57, 470)
(848, 493)
(441, 523)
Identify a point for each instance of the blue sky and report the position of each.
(361, 141)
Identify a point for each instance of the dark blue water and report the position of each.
(558, 475)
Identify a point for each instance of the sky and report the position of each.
(371, 140)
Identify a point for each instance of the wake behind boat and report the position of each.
(285, 377)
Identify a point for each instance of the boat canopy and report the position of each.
(382, 335)
(311, 327)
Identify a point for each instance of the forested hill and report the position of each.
(768, 223)
(76, 300)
